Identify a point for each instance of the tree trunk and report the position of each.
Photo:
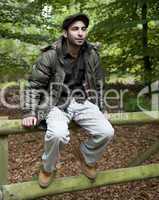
(146, 58)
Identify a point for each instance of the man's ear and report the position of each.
(65, 33)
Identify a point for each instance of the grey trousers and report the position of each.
(88, 116)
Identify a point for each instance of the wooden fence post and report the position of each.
(3, 160)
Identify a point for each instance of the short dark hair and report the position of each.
(72, 18)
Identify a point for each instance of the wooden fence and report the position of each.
(21, 191)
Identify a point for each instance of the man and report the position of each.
(71, 67)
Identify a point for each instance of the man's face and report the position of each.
(76, 33)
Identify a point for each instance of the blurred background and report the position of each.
(126, 31)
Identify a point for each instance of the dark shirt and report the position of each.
(74, 75)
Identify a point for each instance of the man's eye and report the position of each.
(84, 29)
(74, 28)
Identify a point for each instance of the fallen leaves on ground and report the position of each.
(25, 158)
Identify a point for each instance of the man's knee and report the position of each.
(55, 134)
(108, 132)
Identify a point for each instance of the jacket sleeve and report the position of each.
(99, 82)
(38, 80)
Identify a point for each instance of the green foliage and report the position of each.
(16, 59)
(132, 103)
(120, 29)
(26, 25)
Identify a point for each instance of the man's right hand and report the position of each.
(29, 121)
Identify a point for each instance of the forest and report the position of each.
(127, 36)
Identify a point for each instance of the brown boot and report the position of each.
(45, 178)
(88, 170)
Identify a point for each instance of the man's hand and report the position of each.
(29, 121)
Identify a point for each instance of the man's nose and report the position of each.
(80, 32)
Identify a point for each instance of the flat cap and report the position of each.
(72, 18)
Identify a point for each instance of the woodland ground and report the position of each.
(25, 157)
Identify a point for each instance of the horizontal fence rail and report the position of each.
(31, 189)
(14, 126)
